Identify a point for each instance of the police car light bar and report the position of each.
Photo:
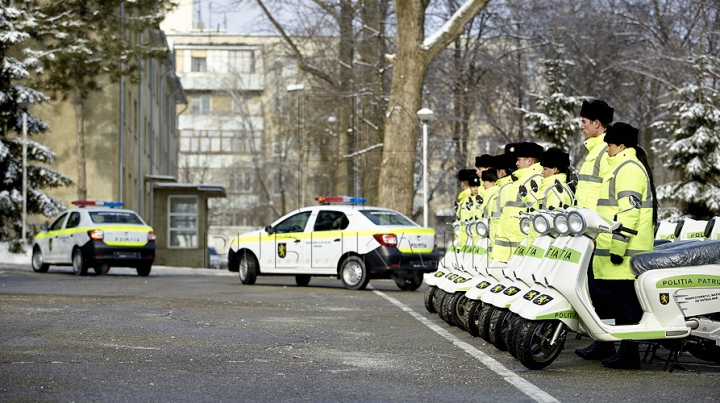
(84, 203)
(340, 199)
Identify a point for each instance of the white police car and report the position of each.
(349, 241)
(98, 235)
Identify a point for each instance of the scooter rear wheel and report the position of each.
(429, 295)
(534, 349)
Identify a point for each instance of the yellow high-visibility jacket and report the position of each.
(462, 213)
(625, 176)
(508, 235)
(590, 174)
(494, 208)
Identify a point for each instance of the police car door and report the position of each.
(290, 239)
(67, 238)
(327, 239)
(51, 247)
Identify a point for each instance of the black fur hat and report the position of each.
(484, 161)
(555, 158)
(622, 133)
(473, 180)
(597, 110)
(464, 174)
(528, 150)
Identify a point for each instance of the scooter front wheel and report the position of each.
(515, 323)
(471, 317)
(535, 346)
(495, 330)
(429, 295)
(484, 322)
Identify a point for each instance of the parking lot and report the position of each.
(199, 335)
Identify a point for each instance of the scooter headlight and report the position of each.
(481, 229)
(541, 224)
(576, 222)
(561, 224)
(469, 229)
(524, 225)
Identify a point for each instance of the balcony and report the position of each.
(214, 82)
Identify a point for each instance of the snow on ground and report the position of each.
(24, 259)
(14, 258)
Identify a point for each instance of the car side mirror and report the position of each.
(269, 229)
(44, 227)
(534, 186)
(522, 191)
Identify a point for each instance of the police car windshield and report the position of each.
(115, 217)
(384, 217)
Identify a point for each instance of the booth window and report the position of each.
(183, 220)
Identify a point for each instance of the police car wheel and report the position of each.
(78, 263)
(302, 280)
(248, 269)
(353, 273)
(102, 269)
(144, 270)
(38, 262)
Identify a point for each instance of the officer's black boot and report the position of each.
(598, 350)
(627, 357)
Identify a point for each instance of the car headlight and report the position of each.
(561, 224)
(541, 224)
(524, 225)
(481, 229)
(576, 222)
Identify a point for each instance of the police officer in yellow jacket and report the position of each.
(505, 165)
(463, 204)
(509, 235)
(596, 116)
(555, 167)
(628, 174)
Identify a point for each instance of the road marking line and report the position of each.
(510, 377)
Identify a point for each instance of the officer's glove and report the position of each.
(616, 259)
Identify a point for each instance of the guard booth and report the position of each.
(179, 216)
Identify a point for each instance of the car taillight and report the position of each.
(151, 236)
(96, 234)
(386, 239)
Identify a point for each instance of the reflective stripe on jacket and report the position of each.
(508, 235)
(626, 176)
(590, 175)
(494, 208)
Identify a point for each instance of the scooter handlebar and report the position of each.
(626, 229)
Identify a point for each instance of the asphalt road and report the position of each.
(187, 335)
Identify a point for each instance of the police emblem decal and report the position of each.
(664, 298)
(282, 250)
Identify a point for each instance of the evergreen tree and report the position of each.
(15, 23)
(555, 117)
(692, 146)
(89, 41)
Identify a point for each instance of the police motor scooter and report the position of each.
(678, 289)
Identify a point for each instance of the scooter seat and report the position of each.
(681, 254)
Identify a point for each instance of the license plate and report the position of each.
(126, 255)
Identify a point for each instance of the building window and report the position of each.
(244, 61)
(199, 64)
(200, 105)
(183, 222)
(240, 182)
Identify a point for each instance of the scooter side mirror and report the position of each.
(522, 191)
(534, 186)
(269, 229)
(559, 186)
(635, 201)
(478, 199)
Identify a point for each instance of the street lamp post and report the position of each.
(425, 115)
(24, 179)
